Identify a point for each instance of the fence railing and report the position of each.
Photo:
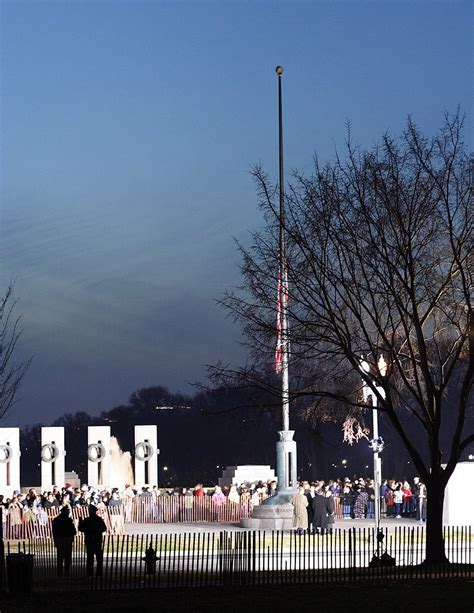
(25, 523)
(178, 509)
(239, 558)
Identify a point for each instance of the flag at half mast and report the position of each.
(282, 329)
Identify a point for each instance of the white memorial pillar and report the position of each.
(9, 461)
(98, 456)
(459, 496)
(146, 456)
(52, 457)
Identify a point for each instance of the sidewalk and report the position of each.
(208, 527)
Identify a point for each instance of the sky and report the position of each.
(127, 133)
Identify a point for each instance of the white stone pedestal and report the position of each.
(247, 473)
(275, 513)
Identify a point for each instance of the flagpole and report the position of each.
(276, 512)
(283, 286)
(286, 446)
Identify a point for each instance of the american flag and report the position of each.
(282, 291)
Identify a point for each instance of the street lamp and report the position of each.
(377, 442)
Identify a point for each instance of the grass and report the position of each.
(338, 541)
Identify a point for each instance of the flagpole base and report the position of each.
(276, 512)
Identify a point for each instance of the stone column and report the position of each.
(52, 457)
(286, 460)
(98, 456)
(146, 456)
(9, 461)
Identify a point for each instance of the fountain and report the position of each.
(120, 465)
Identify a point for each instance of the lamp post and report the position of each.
(377, 442)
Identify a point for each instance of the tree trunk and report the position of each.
(435, 550)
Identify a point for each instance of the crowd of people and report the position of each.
(38, 509)
(315, 504)
(349, 499)
(52, 501)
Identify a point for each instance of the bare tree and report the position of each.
(11, 373)
(379, 249)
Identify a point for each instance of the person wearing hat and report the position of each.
(93, 527)
(64, 532)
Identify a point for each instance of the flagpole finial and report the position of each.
(279, 70)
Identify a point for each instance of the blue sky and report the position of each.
(127, 133)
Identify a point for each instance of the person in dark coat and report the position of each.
(64, 532)
(310, 494)
(330, 510)
(320, 512)
(93, 527)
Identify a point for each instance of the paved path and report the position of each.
(181, 528)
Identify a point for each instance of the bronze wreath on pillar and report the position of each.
(96, 452)
(144, 451)
(49, 453)
(6, 454)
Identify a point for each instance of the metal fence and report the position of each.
(38, 525)
(24, 523)
(238, 558)
(28, 524)
(184, 509)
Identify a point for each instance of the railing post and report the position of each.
(2, 552)
(350, 554)
(245, 559)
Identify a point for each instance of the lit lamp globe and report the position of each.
(279, 70)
